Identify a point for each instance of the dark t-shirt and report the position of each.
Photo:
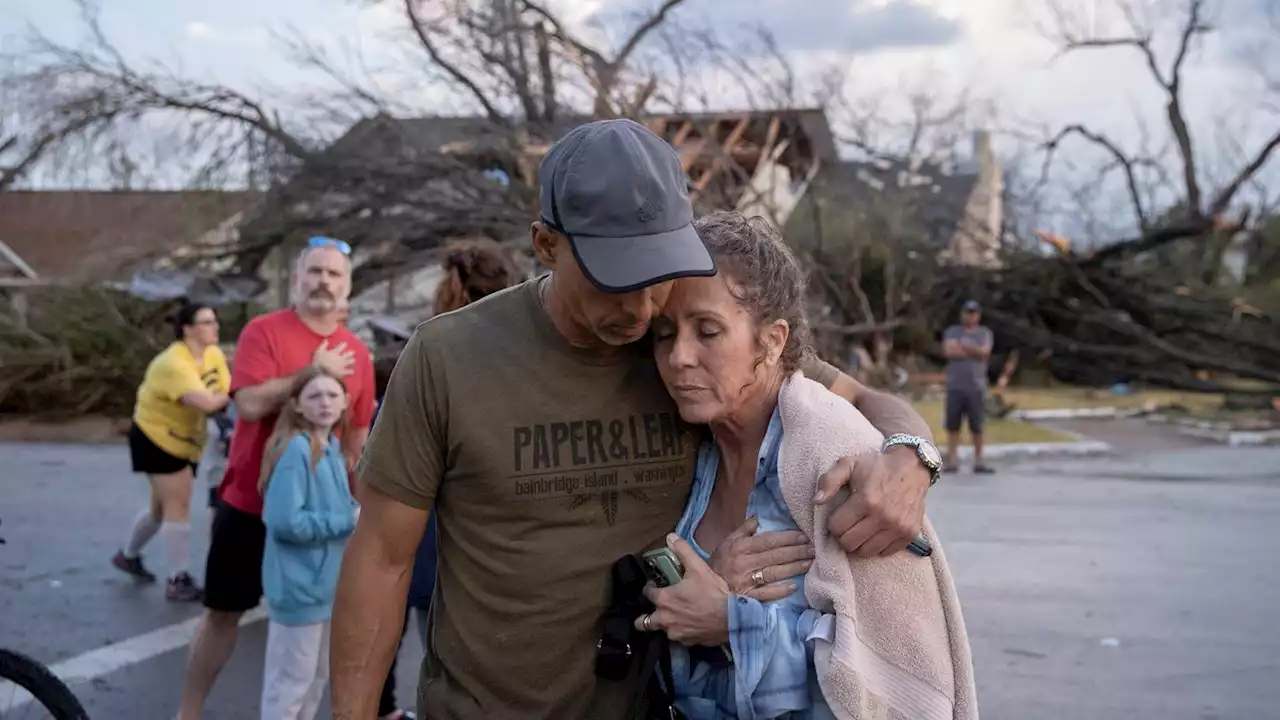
(544, 464)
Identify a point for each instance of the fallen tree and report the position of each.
(84, 350)
(1156, 307)
(1098, 323)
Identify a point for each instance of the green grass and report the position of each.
(996, 431)
(1072, 397)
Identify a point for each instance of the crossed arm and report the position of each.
(956, 349)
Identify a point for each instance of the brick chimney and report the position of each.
(977, 238)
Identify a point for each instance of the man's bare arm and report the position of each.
(354, 447)
(359, 437)
(258, 401)
(954, 349)
(887, 413)
(886, 508)
(368, 610)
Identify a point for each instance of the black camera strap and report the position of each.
(658, 697)
(620, 643)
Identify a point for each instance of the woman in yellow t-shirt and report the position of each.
(182, 386)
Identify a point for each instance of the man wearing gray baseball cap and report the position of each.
(613, 190)
(538, 431)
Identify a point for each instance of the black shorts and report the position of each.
(233, 570)
(966, 403)
(149, 458)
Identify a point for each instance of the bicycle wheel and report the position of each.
(45, 689)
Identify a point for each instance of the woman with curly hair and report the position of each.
(473, 269)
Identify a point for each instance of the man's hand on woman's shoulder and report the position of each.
(885, 510)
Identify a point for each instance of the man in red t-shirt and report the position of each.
(273, 349)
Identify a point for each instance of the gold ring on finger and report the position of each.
(757, 578)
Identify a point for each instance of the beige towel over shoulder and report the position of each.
(899, 650)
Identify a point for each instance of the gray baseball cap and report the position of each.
(618, 192)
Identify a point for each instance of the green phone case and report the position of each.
(662, 566)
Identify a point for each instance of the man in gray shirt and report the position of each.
(968, 348)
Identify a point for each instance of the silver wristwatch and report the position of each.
(925, 450)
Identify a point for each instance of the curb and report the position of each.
(1219, 432)
(1203, 429)
(1015, 450)
(1073, 413)
(1234, 438)
(1163, 419)
(1065, 413)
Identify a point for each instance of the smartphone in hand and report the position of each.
(662, 566)
(665, 569)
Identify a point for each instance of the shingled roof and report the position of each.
(931, 195)
(85, 235)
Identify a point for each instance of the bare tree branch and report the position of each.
(420, 29)
(1228, 193)
(638, 35)
(1141, 40)
(1122, 161)
(546, 73)
(605, 72)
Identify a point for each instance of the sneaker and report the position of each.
(182, 588)
(984, 469)
(132, 566)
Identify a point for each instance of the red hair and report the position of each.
(290, 423)
(473, 269)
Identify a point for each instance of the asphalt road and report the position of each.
(1150, 595)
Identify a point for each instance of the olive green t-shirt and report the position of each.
(544, 464)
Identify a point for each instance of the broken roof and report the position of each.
(457, 133)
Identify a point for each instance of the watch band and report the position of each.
(925, 451)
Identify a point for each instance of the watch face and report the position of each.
(931, 453)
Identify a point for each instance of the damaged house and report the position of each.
(480, 181)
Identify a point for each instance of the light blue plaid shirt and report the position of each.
(772, 675)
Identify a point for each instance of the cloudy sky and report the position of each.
(991, 47)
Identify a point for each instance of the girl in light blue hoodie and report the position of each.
(308, 511)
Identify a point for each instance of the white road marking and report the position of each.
(116, 656)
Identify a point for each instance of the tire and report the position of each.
(43, 685)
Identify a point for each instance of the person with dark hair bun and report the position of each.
(184, 384)
(472, 270)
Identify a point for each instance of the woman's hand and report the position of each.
(695, 610)
(756, 565)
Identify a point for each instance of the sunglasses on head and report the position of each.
(322, 241)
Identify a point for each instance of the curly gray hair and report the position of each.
(765, 276)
